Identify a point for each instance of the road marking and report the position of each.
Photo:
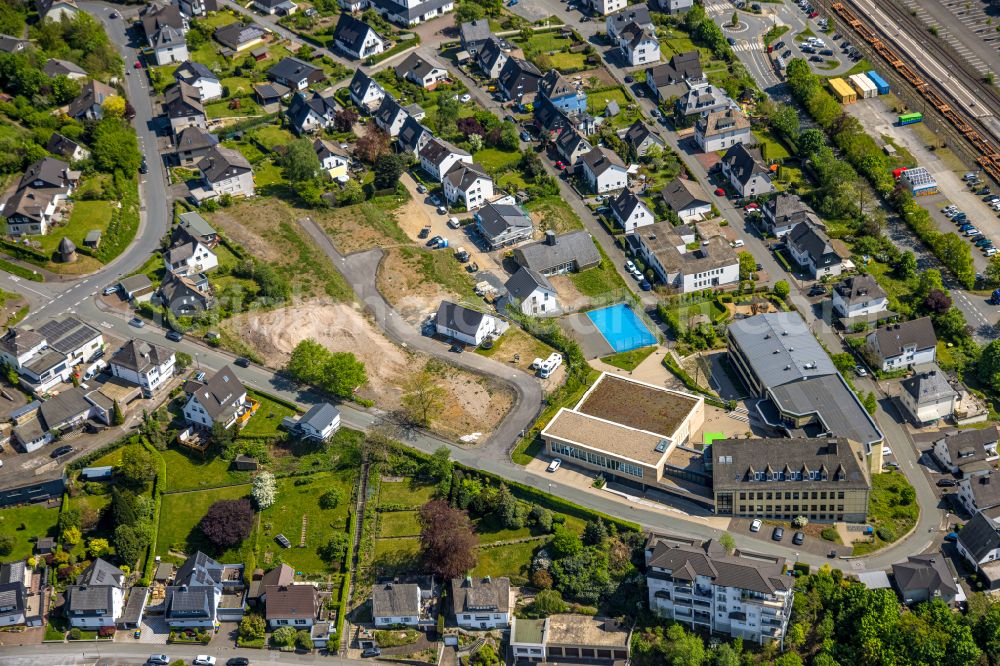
(106, 324)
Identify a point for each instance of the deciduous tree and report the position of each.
(447, 542)
(423, 398)
(138, 466)
(300, 162)
(264, 490)
(228, 522)
(375, 142)
(388, 169)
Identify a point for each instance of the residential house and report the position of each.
(182, 104)
(160, 14)
(979, 544)
(744, 596)
(390, 116)
(481, 603)
(55, 67)
(204, 593)
(310, 112)
(640, 137)
(605, 7)
(189, 256)
(63, 147)
(467, 325)
(296, 74)
(425, 72)
(631, 212)
(169, 46)
(397, 604)
(98, 598)
(366, 93)
(810, 248)
(674, 6)
(44, 185)
(687, 199)
(967, 452)
(722, 129)
(746, 173)
(224, 171)
(332, 159)
(565, 638)
(571, 252)
(62, 413)
(194, 226)
(927, 396)
(89, 104)
(603, 170)
(45, 357)
(15, 587)
(531, 293)
(638, 14)
(552, 121)
(681, 67)
(925, 578)
(903, 345)
(282, 575)
(501, 225)
(564, 95)
(571, 146)
(275, 7)
(10, 44)
(269, 95)
(291, 606)
(356, 38)
(980, 492)
(411, 12)
(55, 10)
(713, 264)
(319, 423)
(858, 296)
(438, 156)
(518, 81)
(638, 45)
(492, 57)
(219, 399)
(468, 183)
(702, 97)
(781, 213)
(186, 295)
(745, 470)
(200, 77)
(192, 144)
(474, 35)
(412, 137)
(238, 37)
(144, 364)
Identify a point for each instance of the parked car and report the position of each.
(239, 661)
(374, 651)
(629, 79)
(61, 451)
(629, 266)
(110, 290)
(645, 285)
(525, 137)
(424, 233)
(243, 362)
(175, 336)
(755, 525)
(860, 371)
(778, 534)
(990, 251)
(886, 451)
(719, 192)
(434, 241)
(204, 660)
(136, 322)
(815, 58)
(732, 42)
(421, 188)
(466, 98)
(158, 659)
(457, 348)
(892, 464)
(951, 537)
(554, 465)
(454, 223)
(637, 274)
(200, 377)
(798, 538)
(946, 483)
(441, 210)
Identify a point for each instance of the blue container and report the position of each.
(879, 82)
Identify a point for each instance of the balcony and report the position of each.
(246, 411)
(703, 592)
(702, 604)
(682, 602)
(681, 590)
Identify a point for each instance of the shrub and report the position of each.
(283, 638)
(330, 499)
(303, 640)
(7, 542)
(800, 521)
(829, 534)
(886, 533)
(74, 634)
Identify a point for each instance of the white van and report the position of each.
(738, 242)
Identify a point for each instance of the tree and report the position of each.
(485, 656)
(343, 120)
(565, 543)
(129, 543)
(468, 11)
(542, 517)
(117, 417)
(447, 114)
(937, 302)
(682, 648)
(735, 21)
(306, 361)
(98, 547)
(447, 542)
(796, 636)
(115, 147)
(7, 543)
(728, 542)
(351, 193)
(123, 507)
(548, 602)
(283, 637)
(72, 536)
(388, 169)
(748, 264)
(423, 398)
(138, 467)
(264, 490)
(221, 435)
(785, 119)
(344, 373)
(303, 640)
(781, 289)
(595, 533)
(509, 137)
(870, 402)
(334, 550)
(300, 162)
(583, 576)
(906, 267)
(330, 499)
(439, 465)
(252, 627)
(375, 142)
(228, 522)
(113, 106)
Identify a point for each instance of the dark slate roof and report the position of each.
(271, 89)
(474, 32)
(785, 207)
(186, 602)
(351, 31)
(519, 77)
(236, 34)
(979, 536)
(639, 132)
(859, 288)
(388, 110)
(635, 34)
(158, 15)
(930, 386)
(55, 67)
(12, 596)
(891, 339)
(221, 163)
(183, 100)
(710, 559)
(925, 572)
(292, 69)
(49, 170)
(417, 66)
(599, 160)
(681, 194)
(13, 572)
(291, 602)
(396, 599)
(576, 246)
(681, 66)
(191, 71)
(200, 569)
(64, 407)
(458, 318)
(554, 85)
(808, 238)
(570, 140)
(10, 44)
(836, 405)
(524, 282)
(840, 463)
(638, 13)
(168, 36)
(195, 138)
(985, 489)
(436, 150)
(320, 416)
(139, 355)
(970, 445)
(463, 175)
(490, 52)
(412, 12)
(625, 204)
(216, 396)
(301, 105)
(475, 594)
(92, 94)
(89, 599)
(410, 134)
(744, 163)
(60, 145)
(495, 219)
(100, 572)
(361, 83)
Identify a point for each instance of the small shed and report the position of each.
(245, 463)
(93, 239)
(138, 288)
(612, 109)
(164, 572)
(97, 473)
(260, 53)
(45, 545)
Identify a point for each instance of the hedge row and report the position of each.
(398, 48)
(124, 220)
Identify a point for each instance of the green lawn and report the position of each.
(267, 173)
(491, 531)
(597, 102)
(267, 419)
(494, 160)
(37, 521)
(86, 216)
(711, 309)
(187, 471)
(568, 61)
(398, 524)
(404, 493)
(629, 360)
(603, 279)
(180, 514)
(555, 214)
(885, 509)
(513, 561)
(236, 86)
(218, 19)
(297, 497)
(221, 109)
(396, 556)
(772, 148)
(272, 136)
(545, 42)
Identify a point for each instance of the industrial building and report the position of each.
(843, 91)
(919, 182)
(865, 87)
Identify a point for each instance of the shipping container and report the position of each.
(880, 84)
(843, 92)
(910, 118)
(866, 89)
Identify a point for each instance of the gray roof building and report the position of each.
(191, 71)
(859, 289)
(182, 100)
(236, 35)
(780, 348)
(502, 224)
(320, 416)
(830, 400)
(396, 600)
(681, 194)
(796, 463)
(91, 96)
(808, 239)
(458, 318)
(599, 160)
(979, 537)
(929, 387)
(710, 559)
(480, 595)
(474, 34)
(893, 339)
(222, 163)
(140, 356)
(524, 282)
(681, 67)
(519, 80)
(55, 67)
(925, 577)
(216, 396)
(574, 251)
(291, 71)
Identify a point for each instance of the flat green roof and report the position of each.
(528, 631)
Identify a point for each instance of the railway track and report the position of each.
(934, 92)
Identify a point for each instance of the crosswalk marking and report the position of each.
(718, 8)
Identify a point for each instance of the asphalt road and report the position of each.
(122, 653)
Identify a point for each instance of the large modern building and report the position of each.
(778, 358)
(567, 638)
(745, 595)
(625, 429)
(821, 478)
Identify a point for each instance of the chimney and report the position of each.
(550, 237)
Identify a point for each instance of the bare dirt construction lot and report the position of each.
(570, 298)
(366, 225)
(415, 281)
(515, 343)
(472, 403)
